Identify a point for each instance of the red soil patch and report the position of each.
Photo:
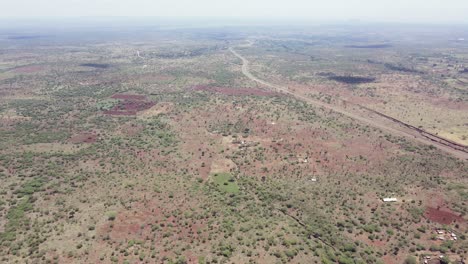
(84, 138)
(235, 91)
(444, 216)
(130, 104)
(389, 259)
(137, 224)
(28, 69)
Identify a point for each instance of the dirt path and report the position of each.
(369, 118)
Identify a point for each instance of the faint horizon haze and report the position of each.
(403, 11)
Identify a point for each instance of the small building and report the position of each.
(390, 199)
(454, 236)
(431, 259)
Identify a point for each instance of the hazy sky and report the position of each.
(374, 10)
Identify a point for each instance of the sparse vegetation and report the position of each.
(174, 156)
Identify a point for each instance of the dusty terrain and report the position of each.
(232, 146)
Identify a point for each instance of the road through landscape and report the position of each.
(372, 118)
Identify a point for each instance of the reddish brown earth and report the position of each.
(388, 259)
(130, 104)
(235, 91)
(28, 69)
(137, 224)
(84, 138)
(442, 216)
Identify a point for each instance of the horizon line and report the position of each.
(234, 18)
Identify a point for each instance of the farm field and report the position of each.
(234, 145)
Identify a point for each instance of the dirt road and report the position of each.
(370, 118)
(138, 55)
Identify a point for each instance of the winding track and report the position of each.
(400, 128)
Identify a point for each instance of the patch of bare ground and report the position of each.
(389, 259)
(86, 137)
(129, 105)
(443, 216)
(220, 165)
(159, 108)
(438, 210)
